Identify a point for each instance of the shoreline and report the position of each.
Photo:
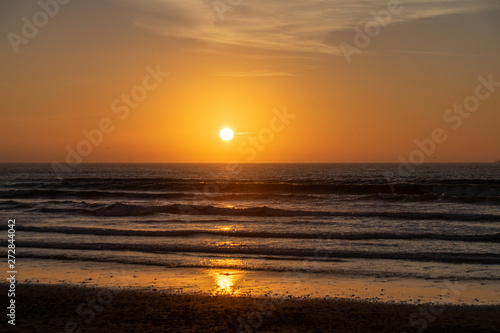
(230, 281)
(70, 308)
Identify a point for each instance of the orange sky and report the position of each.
(234, 70)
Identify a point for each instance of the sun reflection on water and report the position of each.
(227, 244)
(226, 282)
(224, 228)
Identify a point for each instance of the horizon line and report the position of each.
(88, 163)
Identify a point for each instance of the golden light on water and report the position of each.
(224, 227)
(227, 244)
(226, 282)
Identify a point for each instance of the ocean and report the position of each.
(441, 221)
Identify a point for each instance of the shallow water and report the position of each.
(440, 222)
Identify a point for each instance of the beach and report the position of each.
(237, 283)
(53, 308)
(93, 297)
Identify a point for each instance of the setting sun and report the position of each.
(226, 134)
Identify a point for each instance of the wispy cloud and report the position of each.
(282, 25)
(428, 53)
(256, 73)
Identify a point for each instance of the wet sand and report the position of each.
(71, 296)
(69, 308)
(219, 281)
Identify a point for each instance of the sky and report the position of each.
(153, 81)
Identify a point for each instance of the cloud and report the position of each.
(256, 73)
(281, 25)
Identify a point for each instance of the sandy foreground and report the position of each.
(259, 283)
(70, 296)
(69, 308)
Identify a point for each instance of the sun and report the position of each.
(226, 134)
